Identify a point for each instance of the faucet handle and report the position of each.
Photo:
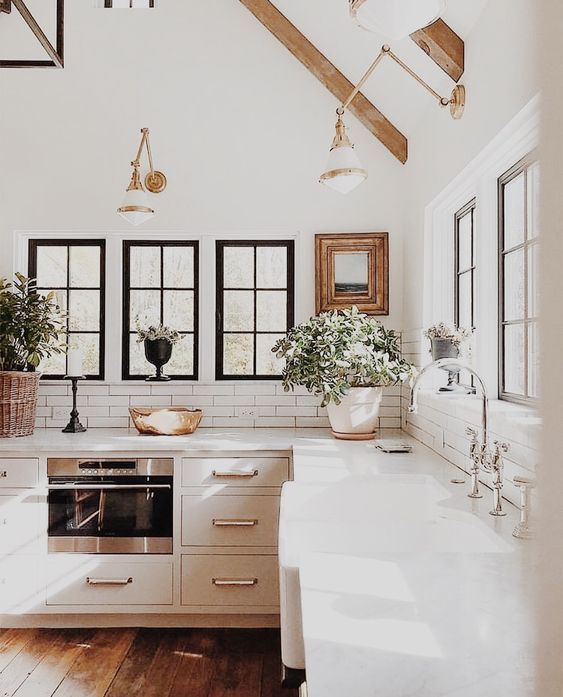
(471, 432)
(500, 446)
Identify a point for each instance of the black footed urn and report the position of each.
(158, 352)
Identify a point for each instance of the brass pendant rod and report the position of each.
(137, 159)
(443, 100)
(386, 51)
(366, 75)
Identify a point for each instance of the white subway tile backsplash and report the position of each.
(244, 405)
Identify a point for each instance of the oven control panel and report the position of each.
(105, 467)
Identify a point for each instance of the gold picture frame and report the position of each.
(352, 269)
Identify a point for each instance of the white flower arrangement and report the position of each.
(160, 331)
(441, 330)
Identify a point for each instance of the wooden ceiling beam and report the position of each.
(329, 75)
(444, 46)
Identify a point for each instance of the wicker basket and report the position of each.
(18, 403)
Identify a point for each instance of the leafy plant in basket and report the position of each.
(345, 357)
(32, 328)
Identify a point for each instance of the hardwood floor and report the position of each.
(135, 662)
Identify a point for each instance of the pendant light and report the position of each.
(344, 171)
(136, 207)
(396, 19)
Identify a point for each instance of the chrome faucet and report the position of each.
(481, 457)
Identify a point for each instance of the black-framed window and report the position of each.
(142, 4)
(255, 306)
(75, 271)
(160, 286)
(518, 281)
(465, 267)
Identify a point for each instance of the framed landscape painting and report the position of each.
(352, 269)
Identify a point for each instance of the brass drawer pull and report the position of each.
(108, 581)
(235, 582)
(3, 474)
(234, 522)
(238, 474)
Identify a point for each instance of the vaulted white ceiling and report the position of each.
(327, 24)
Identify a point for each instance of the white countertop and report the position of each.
(407, 586)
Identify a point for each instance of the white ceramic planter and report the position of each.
(355, 418)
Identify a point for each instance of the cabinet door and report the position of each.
(17, 473)
(22, 584)
(230, 520)
(235, 471)
(19, 524)
(230, 580)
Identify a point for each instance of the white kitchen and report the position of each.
(279, 293)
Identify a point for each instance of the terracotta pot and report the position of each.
(357, 415)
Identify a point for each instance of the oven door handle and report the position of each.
(103, 487)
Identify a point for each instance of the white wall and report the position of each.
(501, 77)
(241, 129)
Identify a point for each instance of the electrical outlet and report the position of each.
(246, 412)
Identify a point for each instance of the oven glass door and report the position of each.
(106, 507)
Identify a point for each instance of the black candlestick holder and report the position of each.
(74, 425)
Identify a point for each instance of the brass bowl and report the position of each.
(165, 421)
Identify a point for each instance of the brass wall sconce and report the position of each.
(136, 208)
(344, 171)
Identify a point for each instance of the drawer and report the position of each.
(19, 472)
(22, 584)
(19, 524)
(109, 583)
(230, 520)
(229, 580)
(235, 471)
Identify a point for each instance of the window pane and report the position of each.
(51, 266)
(514, 211)
(514, 285)
(89, 344)
(464, 300)
(144, 267)
(533, 280)
(178, 267)
(54, 365)
(179, 309)
(238, 309)
(271, 267)
(534, 200)
(465, 242)
(238, 267)
(514, 359)
(266, 362)
(84, 266)
(145, 308)
(271, 311)
(138, 364)
(84, 310)
(238, 354)
(533, 360)
(182, 361)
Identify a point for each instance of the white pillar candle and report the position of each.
(74, 363)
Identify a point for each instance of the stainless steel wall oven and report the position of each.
(110, 506)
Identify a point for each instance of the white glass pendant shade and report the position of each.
(344, 171)
(395, 19)
(136, 208)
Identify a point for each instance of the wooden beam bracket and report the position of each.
(443, 46)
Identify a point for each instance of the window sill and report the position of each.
(508, 421)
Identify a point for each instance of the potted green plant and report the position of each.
(158, 342)
(345, 357)
(32, 328)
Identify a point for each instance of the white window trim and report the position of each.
(478, 180)
(207, 266)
